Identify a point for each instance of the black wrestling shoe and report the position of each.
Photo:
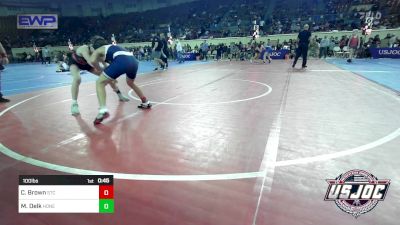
(100, 117)
(146, 105)
(4, 100)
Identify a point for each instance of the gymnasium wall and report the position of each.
(192, 43)
(285, 37)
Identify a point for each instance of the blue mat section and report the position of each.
(382, 71)
(23, 78)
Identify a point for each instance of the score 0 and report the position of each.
(106, 199)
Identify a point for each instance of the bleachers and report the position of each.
(210, 18)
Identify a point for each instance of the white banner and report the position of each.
(37, 21)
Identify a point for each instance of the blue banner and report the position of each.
(189, 56)
(279, 54)
(377, 53)
(276, 54)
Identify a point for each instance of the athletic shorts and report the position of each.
(262, 54)
(156, 54)
(122, 65)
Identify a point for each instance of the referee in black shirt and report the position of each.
(157, 47)
(302, 49)
(164, 50)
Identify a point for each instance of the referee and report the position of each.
(164, 50)
(302, 49)
(3, 61)
(157, 46)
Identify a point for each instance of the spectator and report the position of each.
(220, 51)
(63, 64)
(46, 55)
(208, 17)
(29, 57)
(385, 41)
(204, 50)
(323, 49)
(314, 47)
(353, 45)
(179, 51)
(343, 42)
(392, 41)
(141, 53)
(376, 42)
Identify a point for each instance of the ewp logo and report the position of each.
(37, 21)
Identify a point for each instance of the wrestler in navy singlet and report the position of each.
(121, 61)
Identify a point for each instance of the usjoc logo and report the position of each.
(186, 56)
(356, 192)
(275, 54)
(389, 52)
(37, 21)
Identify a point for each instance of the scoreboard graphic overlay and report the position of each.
(65, 194)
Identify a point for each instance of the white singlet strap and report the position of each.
(122, 53)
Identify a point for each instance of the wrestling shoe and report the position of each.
(100, 117)
(162, 67)
(75, 109)
(123, 98)
(4, 100)
(146, 105)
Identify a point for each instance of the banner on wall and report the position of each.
(276, 54)
(37, 21)
(377, 53)
(189, 56)
(279, 54)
